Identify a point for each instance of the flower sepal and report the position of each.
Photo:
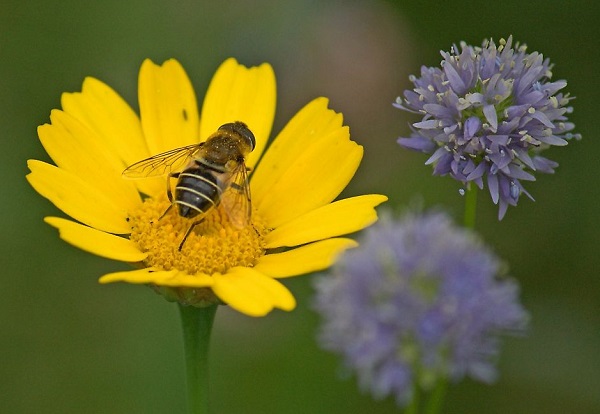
(197, 297)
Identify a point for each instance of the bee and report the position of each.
(208, 174)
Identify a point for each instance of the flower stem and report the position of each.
(413, 407)
(470, 206)
(436, 399)
(197, 325)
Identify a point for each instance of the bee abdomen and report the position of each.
(197, 192)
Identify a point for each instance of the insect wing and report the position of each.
(162, 164)
(236, 199)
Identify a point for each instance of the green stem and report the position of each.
(197, 325)
(470, 205)
(436, 399)
(413, 407)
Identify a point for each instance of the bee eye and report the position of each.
(246, 133)
(243, 130)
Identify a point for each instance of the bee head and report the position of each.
(242, 130)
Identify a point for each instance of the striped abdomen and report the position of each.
(197, 192)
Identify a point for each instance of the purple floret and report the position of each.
(487, 114)
(419, 301)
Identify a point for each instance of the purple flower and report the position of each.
(487, 114)
(418, 302)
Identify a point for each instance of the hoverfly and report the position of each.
(212, 173)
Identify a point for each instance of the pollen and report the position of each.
(214, 246)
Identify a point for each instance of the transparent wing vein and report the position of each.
(162, 164)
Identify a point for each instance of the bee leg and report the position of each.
(166, 211)
(187, 233)
(169, 191)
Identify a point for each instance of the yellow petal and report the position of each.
(77, 149)
(313, 178)
(168, 107)
(105, 113)
(96, 242)
(174, 278)
(77, 198)
(251, 292)
(310, 124)
(335, 219)
(140, 276)
(113, 121)
(182, 279)
(305, 259)
(238, 93)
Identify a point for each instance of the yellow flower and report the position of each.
(295, 225)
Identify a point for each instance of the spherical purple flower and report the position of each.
(419, 301)
(487, 113)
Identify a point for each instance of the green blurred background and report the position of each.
(69, 345)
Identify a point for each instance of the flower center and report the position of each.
(214, 246)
